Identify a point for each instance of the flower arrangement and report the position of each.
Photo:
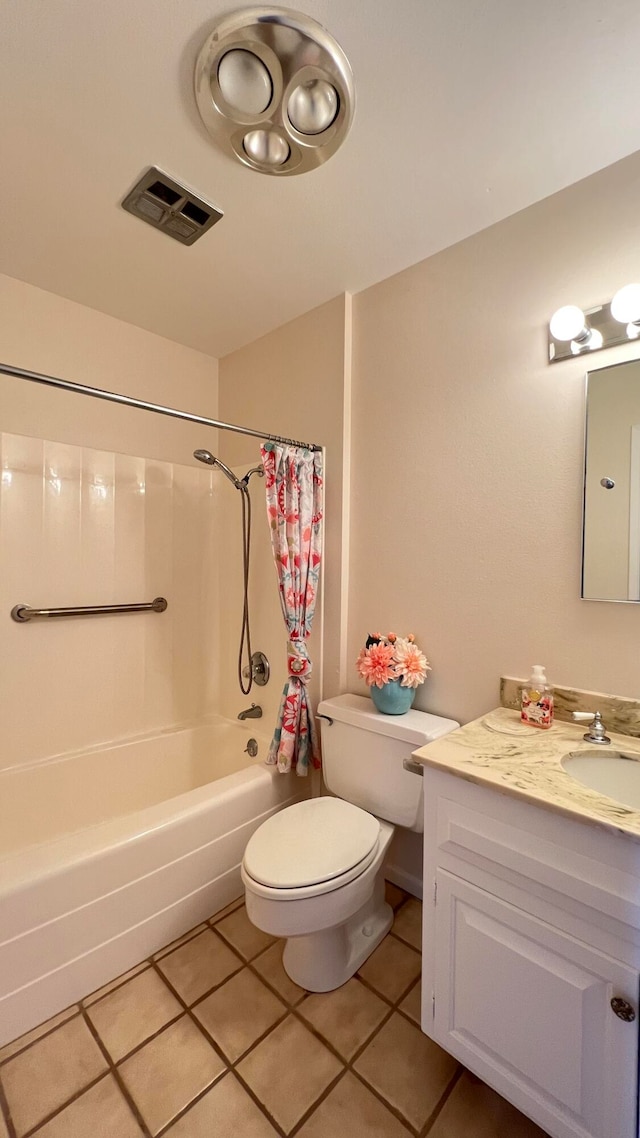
(385, 659)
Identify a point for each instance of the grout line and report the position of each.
(261, 1106)
(185, 1109)
(406, 943)
(124, 1090)
(143, 967)
(439, 1107)
(63, 1106)
(318, 1103)
(33, 1042)
(211, 921)
(5, 1113)
(390, 1107)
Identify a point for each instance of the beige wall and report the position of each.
(46, 333)
(294, 382)
(468, 449)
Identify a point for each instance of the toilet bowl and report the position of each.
(314, 872)
(332, 922)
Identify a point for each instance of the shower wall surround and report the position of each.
(81, 526)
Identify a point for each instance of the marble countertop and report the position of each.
(499, 751)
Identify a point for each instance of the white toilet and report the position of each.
(313, 873)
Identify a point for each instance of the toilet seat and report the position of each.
(310, 848)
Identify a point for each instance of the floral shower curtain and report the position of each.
(293, 482)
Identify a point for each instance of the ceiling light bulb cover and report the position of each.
(625, 305)
(312, 106)
(266, 147)
(245, 82)
(567, 323)
(275, 90)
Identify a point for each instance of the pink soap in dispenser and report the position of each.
(537, 700)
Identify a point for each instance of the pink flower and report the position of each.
(411, 664)
(375, 665)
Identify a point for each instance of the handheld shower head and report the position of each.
(205, 456)
(210, 460)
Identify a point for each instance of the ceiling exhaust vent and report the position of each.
(170, 207)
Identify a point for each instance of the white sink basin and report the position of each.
(614, 773)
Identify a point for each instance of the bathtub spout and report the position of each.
(253, 712)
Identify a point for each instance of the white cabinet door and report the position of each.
(528, 1009)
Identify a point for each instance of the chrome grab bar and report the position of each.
(24, 613)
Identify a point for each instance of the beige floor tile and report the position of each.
(476, 1111)
(178, 941)
(133, 1013)
(245, 937)
(101, 1112)
(226, 1111)
(167, 1073)
(391, 968)
(37, 1032)
(270, 966)
(45, 1076)
(238, 1013)
(288, 1072)
(408, 922)
(350, 1109)
(113, 984)
(230, 908)
(393, 895)
(411, 1004)
(199, 965)
(407, 1069)
(346, 1017)
(4, 1133)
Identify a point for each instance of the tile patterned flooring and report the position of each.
(211, 1039)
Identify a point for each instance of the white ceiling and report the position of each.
(467, 111)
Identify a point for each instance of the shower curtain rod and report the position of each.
(113, 397)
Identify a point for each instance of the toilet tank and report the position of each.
(363, 752)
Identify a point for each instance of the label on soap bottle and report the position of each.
(537, 707)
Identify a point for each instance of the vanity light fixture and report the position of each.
(275, 90)
(573, 331)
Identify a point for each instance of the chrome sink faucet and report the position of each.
(597, 730)
(253, 712)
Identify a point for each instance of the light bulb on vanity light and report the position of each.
(625, 307)
(569, 323)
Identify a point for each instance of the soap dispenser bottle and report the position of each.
(537, 700)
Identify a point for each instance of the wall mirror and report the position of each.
(611, 535)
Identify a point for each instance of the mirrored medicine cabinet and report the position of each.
(611, 534)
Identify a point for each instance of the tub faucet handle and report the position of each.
(597, 731)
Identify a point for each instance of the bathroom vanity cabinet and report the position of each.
(532, 954)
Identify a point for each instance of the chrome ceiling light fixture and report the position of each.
(275, 90)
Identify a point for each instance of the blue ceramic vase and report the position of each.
(392, 699)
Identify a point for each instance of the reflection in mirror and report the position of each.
(611, 545)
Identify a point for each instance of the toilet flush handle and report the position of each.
(413, 767)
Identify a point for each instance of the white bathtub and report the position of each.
(108, 855)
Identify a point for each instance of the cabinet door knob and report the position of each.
(623, 1009)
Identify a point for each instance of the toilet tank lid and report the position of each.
(415, 727)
